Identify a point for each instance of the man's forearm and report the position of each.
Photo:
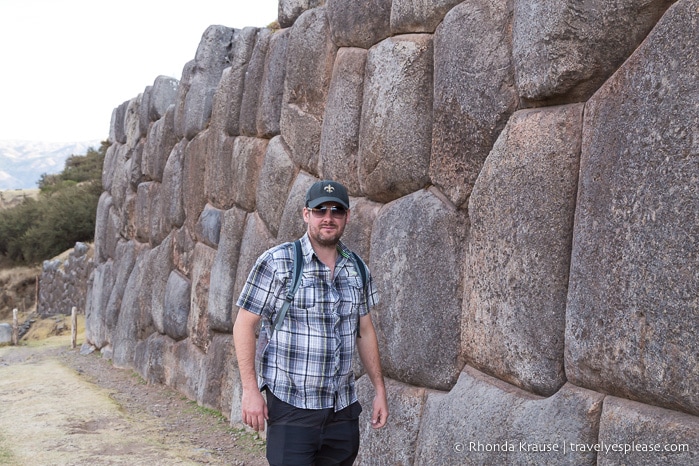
(244, 340)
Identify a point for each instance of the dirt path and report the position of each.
(58, 407)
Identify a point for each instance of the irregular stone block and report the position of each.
(357, 236)
(198, 324)
(563, 51)
(219, 173)
(359, 23)
(182, 90)
(96, 331)
(158, 264)
(185, 364)
(211, 59)
(253, 83)
(290, 10)
(227, 100)
(176, 305)
(636, 239)
(172, 188)
(269, 107)
(223, 271)
(5, 334)
(147, 209)
(410, 16)
(104, 204)
(639, 434)
(474, 92)
(117, 131)
(183, 247)
(144, 120)
(120, 179)
(311, 56)
(397, 444)
(150, 356)
(490, 422)
(215, 371)
(163, 94)
(160, 142)
(132, 122)
(209, 226)
(521, 213)
(108, 164)
(194, 193)
(291, 225)
(274, 182)
(396, 129)
(414, 316)
(248, 157)
(339, 141)
(135, 173)
(133, 323)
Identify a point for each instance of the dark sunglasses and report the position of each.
(336, 211)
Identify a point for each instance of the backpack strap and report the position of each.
(293, 286)
(363, 272)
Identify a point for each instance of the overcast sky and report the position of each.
(66, 64)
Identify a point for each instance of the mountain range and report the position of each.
(23, 162)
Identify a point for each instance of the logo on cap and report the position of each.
(329, 188)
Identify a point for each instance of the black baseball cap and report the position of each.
(326, 191)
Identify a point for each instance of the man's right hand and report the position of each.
(254, 409)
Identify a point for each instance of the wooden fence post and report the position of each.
(73, 327)
(15, 327)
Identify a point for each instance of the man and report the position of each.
(312, 411)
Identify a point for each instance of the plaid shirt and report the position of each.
(308, 362)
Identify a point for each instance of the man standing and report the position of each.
(305, 364)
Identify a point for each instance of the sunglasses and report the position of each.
(336, 211)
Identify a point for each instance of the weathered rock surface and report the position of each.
(631, 323)
(521, 214)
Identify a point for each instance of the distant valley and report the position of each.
(23, 162)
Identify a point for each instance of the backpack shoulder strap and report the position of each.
(360, 265)
(293, 284)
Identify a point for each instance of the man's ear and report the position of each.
(306, 213)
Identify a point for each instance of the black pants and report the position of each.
(304, 437)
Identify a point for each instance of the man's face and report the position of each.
(326, 223)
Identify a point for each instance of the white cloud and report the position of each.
(67, 64)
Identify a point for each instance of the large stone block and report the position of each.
(357, 236)
(290, 10)
(134, 165)
(474, 92)
(418, 323)
(291, 225)
(132, 122)
(198, 324)
(185, 364)
(182, 90)
(483, 420)
(248, 157)
(211, 59)
(157, 264)
(311, 54)
(339, 141)
(209, 226)
(102, 282)
(177, 305)
(216, 365)
(150, 356)
(172, 188)
(144, 120)
(521, 212)
(359, 23)
(223, 271)
(133, 323)
(396, 129)
(253, 83)
(639, 434)
(395, 444)
(634, 286)
(159, 143)
(163, 94)
(219, 174)
(563, 51)
(409, 16)
(102, 230)
(194, 193)
(269, 107)
(117, 131)
(147, 210)
(228, 96)
(274, 182)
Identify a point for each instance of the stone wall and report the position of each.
(63, 283)
(523, 176)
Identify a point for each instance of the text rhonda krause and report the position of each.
(625, 448)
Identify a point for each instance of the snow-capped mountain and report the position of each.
(23, 162)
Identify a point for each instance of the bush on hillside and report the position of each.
(64, 213)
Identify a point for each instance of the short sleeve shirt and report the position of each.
(308, 361)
